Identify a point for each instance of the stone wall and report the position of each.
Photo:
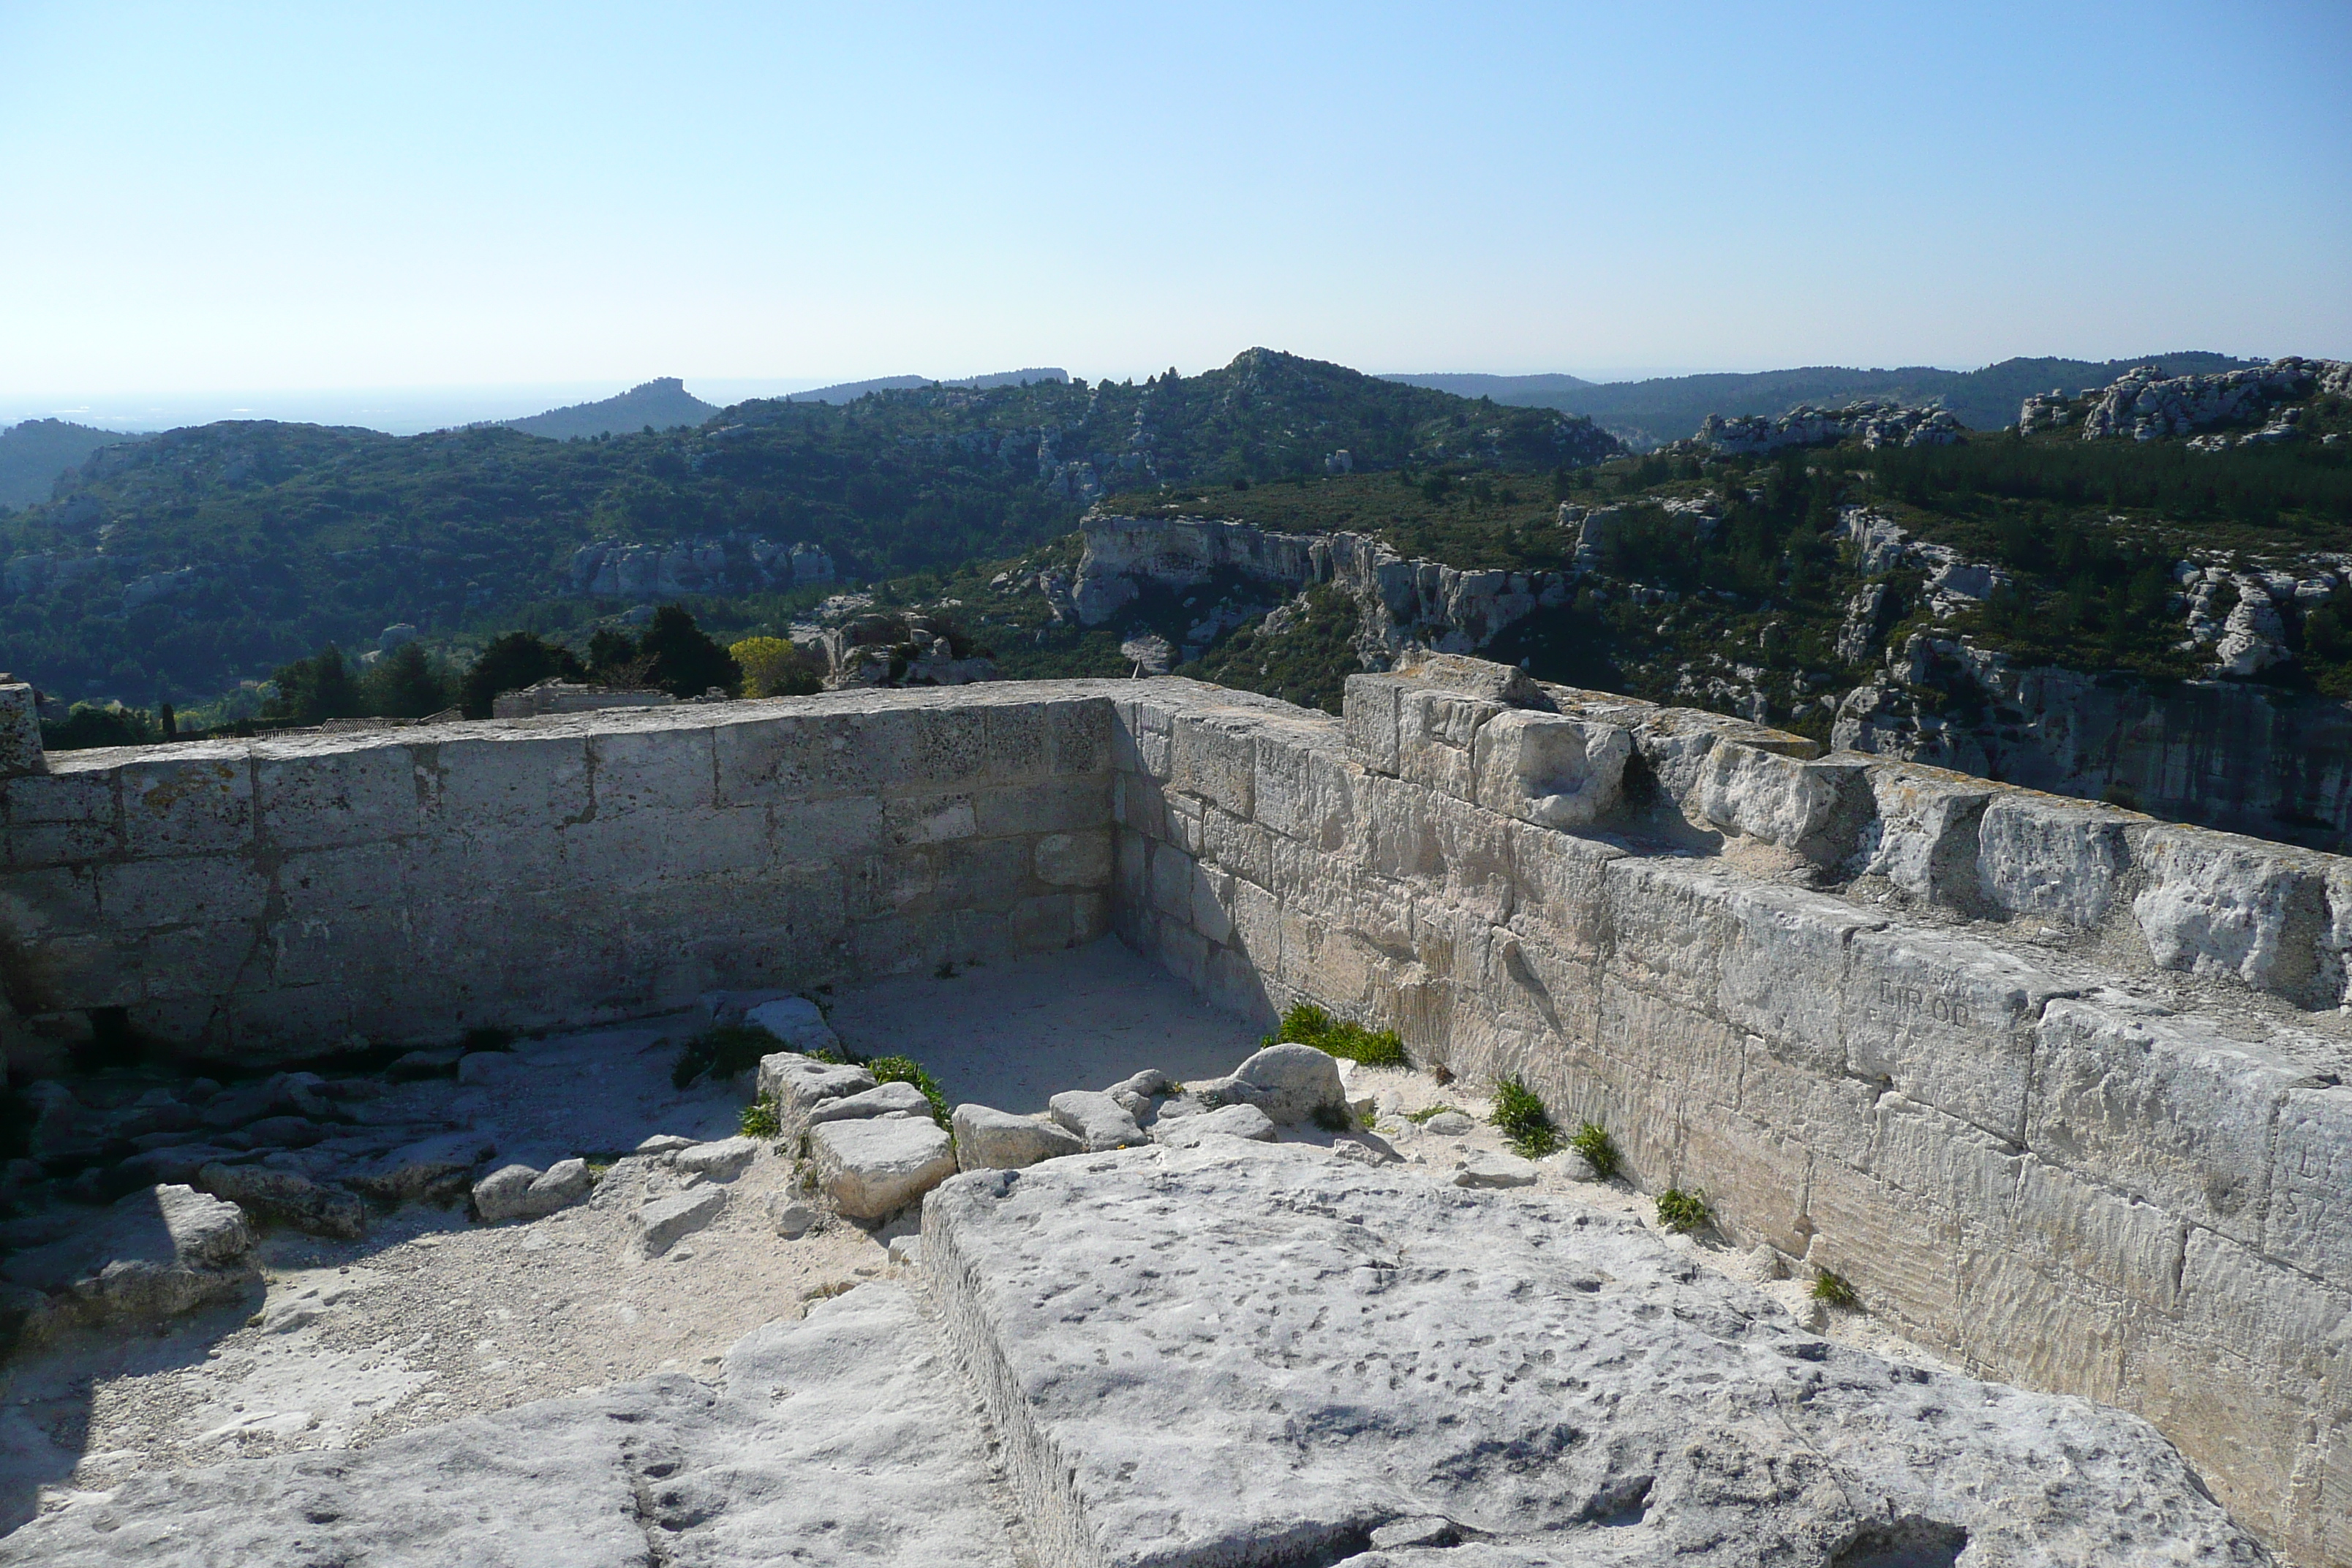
(2060, 1089)
(277, 899)
(2020, 1067)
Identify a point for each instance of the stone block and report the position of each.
(725, 1159)
(134, 894)
(662, 1223)
(987, 1139)
(2218, 904)
(1078, 805)
(2063, 859)
(1095, 1119)
(1437, 740)
(1947, 1021)
(319, 800)
(1550, 769)
(1783, 965)
(1819, 809)
(1926, 831)
(929, 818)
(1369, 712)
(20, 731)
(798, 1084)
(1215, 759)
(872, 1169)
(2159, 1107)
(194, 805)
(2081, 1230)
(2309, 1226)
(1019, 741)
(1080, 735)
(517, 783)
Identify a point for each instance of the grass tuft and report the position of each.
(1836, 1290)
(1306, 1025)
(1523, 1120)
(906, 1069)
(1683, 1212)
(763, 1119)
(1599, 1150)
(1421, 1118)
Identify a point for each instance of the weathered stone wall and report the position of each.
(2057, 1087)
(277, 899)
(2004, 1061)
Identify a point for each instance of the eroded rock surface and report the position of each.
(843, 1440)
(1244, 1354)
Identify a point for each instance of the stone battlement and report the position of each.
(2057, 1087)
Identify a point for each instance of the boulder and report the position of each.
(505, 1193)
(872, 1169)
(987, 1139)
(177, 1162)
(1095, 1118)
(1489, 1169)
(662, 1143)
(1450, 1124)
(565, 1183)
(792, 1217)
(1294, 1082)
(437, 1169)
(721, 1160)
(284, 1132)
(798, 1083)
(1225, 1121)
(796, 1022)
(287, 1197)
(154, 1253)
(883, 1099)
(661, 1222)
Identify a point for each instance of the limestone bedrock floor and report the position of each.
(429, 1317)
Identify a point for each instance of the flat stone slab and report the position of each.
(1226, 1121)
(661, 1222)
(844, 1439)
(721, 1160)
(1260, 1354)
(1095, 1118)
(873, 1168)
(987, 1139)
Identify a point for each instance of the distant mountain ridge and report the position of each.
(851, 391)
(33, 454)
(661, 404)
(1651, 413)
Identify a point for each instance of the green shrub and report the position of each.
(1681, 1212)
(906, 1069)
(1307, 1025)
(763, 1119)
(1523, 1120)
(1421, 1118)
(1599, 1150)
(722, 1053)
(1834, 1290)
(1333, 1118)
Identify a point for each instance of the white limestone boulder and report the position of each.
(722, 1160)
(1225, 1121)
(662, 1222)
(795, 1021)
(520, 1191)
(893, 1098)
(987, 1139)
(1550, 769)
(798, 1083)
(873, 1168)
(287, 1197)
(1294, 1083)
(154, 1253)
(1095, 1118)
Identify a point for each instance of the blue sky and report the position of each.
(199, 198)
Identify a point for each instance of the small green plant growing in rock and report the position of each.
(722, 1053)
(1683, 1212)
(906, 1069)
(1599, 1150)
(1523, 1120)
(1834, 1290)
(1306, 1024)
(1421, 1118)
(761, 1119)
(1333, 1118)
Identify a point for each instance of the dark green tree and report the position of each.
(516, 660)
(311, 691)
(682, 659)
(406, 684)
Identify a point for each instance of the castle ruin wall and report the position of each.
(2059, 1089)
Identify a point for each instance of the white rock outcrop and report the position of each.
(1515, 1370)
(873, 1168)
